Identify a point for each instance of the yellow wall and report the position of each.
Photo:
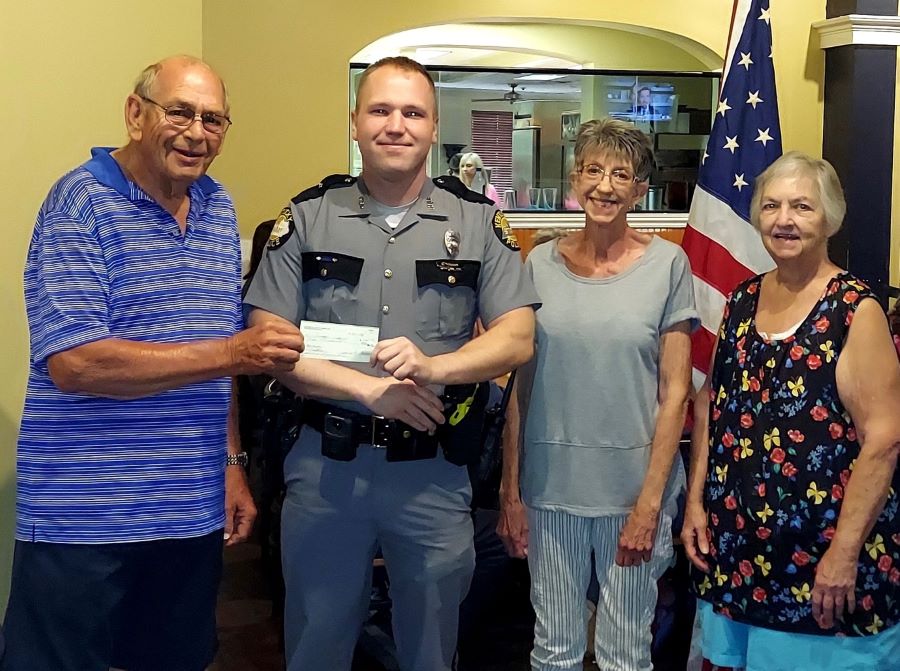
(286, 65)
(67, 67)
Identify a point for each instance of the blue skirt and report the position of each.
(729, 643)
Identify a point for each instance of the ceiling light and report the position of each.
(538, 78)
(430, 54)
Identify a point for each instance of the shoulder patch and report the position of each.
(460, 190)
(282, 230)
(330, 182)
(504, 231)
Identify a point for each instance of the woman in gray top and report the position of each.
(593, 429)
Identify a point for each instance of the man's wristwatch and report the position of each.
(239, 459)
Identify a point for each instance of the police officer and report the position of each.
(420, 259)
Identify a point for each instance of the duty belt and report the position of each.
(401, 441)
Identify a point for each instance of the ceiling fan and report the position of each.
(513, 96)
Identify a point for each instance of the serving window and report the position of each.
(523, 123)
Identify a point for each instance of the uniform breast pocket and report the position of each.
(445, 301)
(331, 286)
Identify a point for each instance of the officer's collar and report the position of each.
(426, 206)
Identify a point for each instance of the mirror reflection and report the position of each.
(517, 129)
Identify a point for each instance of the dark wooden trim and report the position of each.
(871, 7)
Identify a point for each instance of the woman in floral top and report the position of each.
(792, 518)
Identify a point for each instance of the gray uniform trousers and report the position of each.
(334, 515)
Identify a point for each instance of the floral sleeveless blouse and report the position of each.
(781, 451)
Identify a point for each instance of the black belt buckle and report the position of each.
(411, 445)
(382, 432)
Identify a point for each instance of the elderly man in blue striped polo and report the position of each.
(129, 471)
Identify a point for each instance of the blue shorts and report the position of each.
(144, 606)
(729, 643)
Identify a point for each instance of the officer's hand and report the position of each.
(417, 406)
(266, 348)
(402, 359)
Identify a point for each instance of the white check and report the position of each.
(338, 342)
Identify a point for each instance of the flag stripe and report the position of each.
(710, 304)
(718, 222)
(716, 266)
(698, 377)
(703, 343)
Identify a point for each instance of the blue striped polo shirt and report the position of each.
(106, 261)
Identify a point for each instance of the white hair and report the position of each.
(822, 174)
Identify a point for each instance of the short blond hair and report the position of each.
(619, 138)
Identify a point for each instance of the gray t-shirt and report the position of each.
(388, 214)
(594, 401)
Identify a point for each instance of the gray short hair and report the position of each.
(143, 85)
(822, 174)
(616, 137)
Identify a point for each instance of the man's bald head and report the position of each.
(146, 81)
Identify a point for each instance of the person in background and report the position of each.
(453, 165)
(642, 106)
(894, 318)
(420, 260)
(570, 202)
(129, 465)
(793, 512)
(595, 420)
(642, 110)
(260, 238)
(473, 175)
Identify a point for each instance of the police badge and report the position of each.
(282, 230)
(504, 231)
(451, 242)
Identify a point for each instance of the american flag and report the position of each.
(723, 247)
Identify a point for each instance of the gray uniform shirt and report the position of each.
(449, 261)
(593, 404)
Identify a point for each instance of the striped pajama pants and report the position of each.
(559, 550)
